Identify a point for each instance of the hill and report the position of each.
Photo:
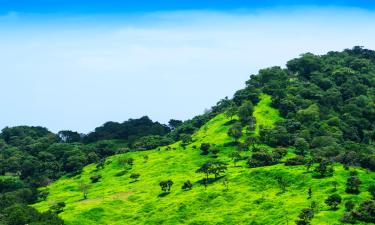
(296, 145)
(253, 195)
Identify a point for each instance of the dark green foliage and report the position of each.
(151, 142)
(282, 182)
(302, 146)
(295, 161)
(235, 132)
(57, 207)
(235, 156)
(173, 124)
(349, 205)
(333, 201)
(305, 216)
(166, 185)
(327, 101)
(263, 158)
(366, 211)
(245, 112)
(69, 136)
(128, 130)
(348, 217)
(95, 179)
(324, 169)
(19, 214)
(353, 183)
(187, 185)
(135, 176)
(371, 189)
(212, 167)
(205, 148)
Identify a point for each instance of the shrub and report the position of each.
(95, 179)
(205, 147)
(366, 211)
(187, 185)
(333, 201)
(295, 161)
(135, 176)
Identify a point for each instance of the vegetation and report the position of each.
(318, 113)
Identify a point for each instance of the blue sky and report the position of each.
(111, 6)
(75, 65)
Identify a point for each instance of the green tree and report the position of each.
(187, 185)
(305, 216)
(235, 132)
(245, 112)
(352, 184)
(333, 201)
(166, 185)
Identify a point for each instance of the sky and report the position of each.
(77, 64)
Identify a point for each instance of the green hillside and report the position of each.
(252, 196)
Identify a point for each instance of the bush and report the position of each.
(295, 161)
(333, 201)
(261, 158)
(95, 179)
(187, 185)
(366, 211)
(205, 147)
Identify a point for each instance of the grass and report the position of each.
(264, 114)
(253, 196)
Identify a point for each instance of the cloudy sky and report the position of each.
(77, 64)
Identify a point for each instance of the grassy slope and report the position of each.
(253, 196)
(265, 115)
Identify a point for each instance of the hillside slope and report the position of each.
(252, 196)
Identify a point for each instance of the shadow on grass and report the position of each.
(209, 181)
(163, 194)
(230, 122)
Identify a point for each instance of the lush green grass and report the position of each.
(253, 196)
(264, 114)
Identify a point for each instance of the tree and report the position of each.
(349, 205)
(305, 216)
(84, 188)
(58, 207)
(69, 136)
(95, 179)
(324, 169)
(166, 185)
(366, 211)
(205, 147)
(302, 146)
(352, 184)
(371, 189)
(135, 176)
(235, 132)
(235, 156)
(333, 201)
(231, 111)
(186, 139)
(173, 124)
(187, 185)
(309, 193)
(214, 152)
(282, 183)
(245, 112)
(212, 167)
